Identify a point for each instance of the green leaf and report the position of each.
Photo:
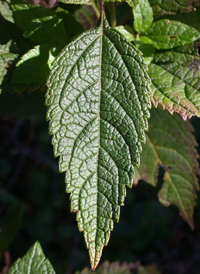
(167, 34)
(98, 109)
(10, 218)
(145, 45)
(6, 12)
(40, 25)
(175, 79)
(108, 268)
(69, 20)
(5, 57)
(33, 262)
(161, 7)
(171, 144)
(34, 67)
(143, 16)
(126, 31)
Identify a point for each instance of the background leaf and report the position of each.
(167, 34)
(170, 144)
(143, 16)
(33, 262)
(175, 79)
(33, 68)
(98, 109)
(161, 7)
(39, 24)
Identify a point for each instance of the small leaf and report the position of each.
(34, 67)
(175, 79)
(161, 7)
(39, 24)
(170, 143)
(33, 262)
(167, 34)
(98, 109)
(143, 16)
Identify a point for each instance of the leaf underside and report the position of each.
(98, 109)
(171, 144)
(33, 262)
(175, 79)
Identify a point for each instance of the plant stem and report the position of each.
(111, 13)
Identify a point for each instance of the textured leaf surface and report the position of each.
(175, 79)
(34, 67)
(5, 57)
(98, 108)
(143, 16)
(167, 34)
(161, 7)
(33, 262)
(40, 25)
(171, 144)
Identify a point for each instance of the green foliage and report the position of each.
(143, 16)
(33, 262)
(161, 7)
(40, 25)
(98, 99)
(171, 144)
(178, 90)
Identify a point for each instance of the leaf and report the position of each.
(161, 7)
(144, 44)
(5, 57)
(167, 34)
(6, 12)
(40, 25)
(68, 19)
(175, 79)
(98, 108)
(33, 262)
(126, 31)
(143, 16)
(171, 144)
(34, 67)
(107, 268)
(10, 218)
